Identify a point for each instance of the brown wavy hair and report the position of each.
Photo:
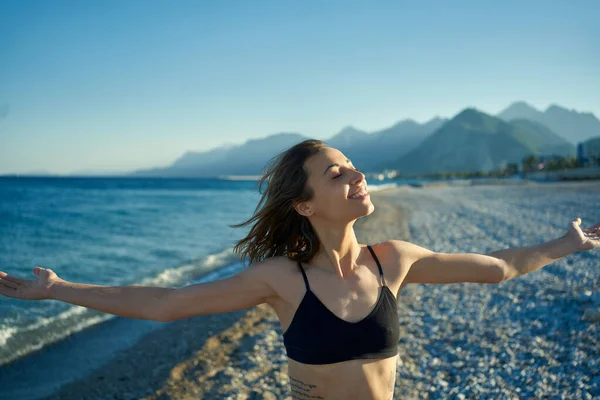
(277, 228)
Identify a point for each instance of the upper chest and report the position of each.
(349, 299)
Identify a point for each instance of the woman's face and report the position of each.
(340, 190)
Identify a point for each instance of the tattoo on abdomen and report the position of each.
(301, 390)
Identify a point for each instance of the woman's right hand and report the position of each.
(32, 289)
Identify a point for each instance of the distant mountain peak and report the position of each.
(470, 115)
(519, 109)
(349, 130)
(436, 118)
(347, 136)
(522, 105)
(469, 111)
(474, 120)
(276, 135)
(554, 106)
(556, 109)
(573, 125)
(406, 123)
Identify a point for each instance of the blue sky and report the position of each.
(121, 85)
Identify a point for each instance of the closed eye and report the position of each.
(341, 173)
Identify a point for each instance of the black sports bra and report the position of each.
(317, 336)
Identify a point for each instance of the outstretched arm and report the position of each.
(243, 290)
(126, 301)
(430, 267)
(521, 261)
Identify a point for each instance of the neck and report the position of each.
(339, 250)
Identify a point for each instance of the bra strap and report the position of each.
(378, 265)
(304, 275)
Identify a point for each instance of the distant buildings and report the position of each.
(588, 152)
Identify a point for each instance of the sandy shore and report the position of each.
(525, 338)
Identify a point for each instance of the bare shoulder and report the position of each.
(400, 256)
(395, 251)
(270, 266)
(273, 271)
(393, 257)
(406, 251)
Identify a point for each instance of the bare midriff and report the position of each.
(354, 379)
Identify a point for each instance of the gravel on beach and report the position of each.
(531, 337)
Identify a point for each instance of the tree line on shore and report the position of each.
(531, 163)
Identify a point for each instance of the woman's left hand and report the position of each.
(583, 239)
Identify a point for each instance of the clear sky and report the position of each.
(121, 85)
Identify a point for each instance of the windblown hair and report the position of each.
(277, 228)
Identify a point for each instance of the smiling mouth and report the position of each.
(361, 193)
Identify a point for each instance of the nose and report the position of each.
(358, 176)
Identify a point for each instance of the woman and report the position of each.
(335, 298)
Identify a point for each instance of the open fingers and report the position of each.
(6, 291)
(8, 284)
(10, 278)
(593, 228)
(592, 234)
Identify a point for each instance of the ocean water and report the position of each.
(110, 231)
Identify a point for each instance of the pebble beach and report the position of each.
(531, 337)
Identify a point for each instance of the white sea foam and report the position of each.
(27, 339)
(48, 337)
(72, 311)
(183, 273)
(6, 332)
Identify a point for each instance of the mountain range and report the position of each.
(470, 141)
(474, 141)
(570, 124)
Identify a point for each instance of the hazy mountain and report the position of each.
(371, 152)
(366, 150)
(248, 158)
(470, 141)
(474, 141)
(572, 125)
(348, 137)
(540, 139)
(197, 158)
(520, 110)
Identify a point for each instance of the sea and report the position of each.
(107, 231)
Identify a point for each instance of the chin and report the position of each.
(368, 210)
